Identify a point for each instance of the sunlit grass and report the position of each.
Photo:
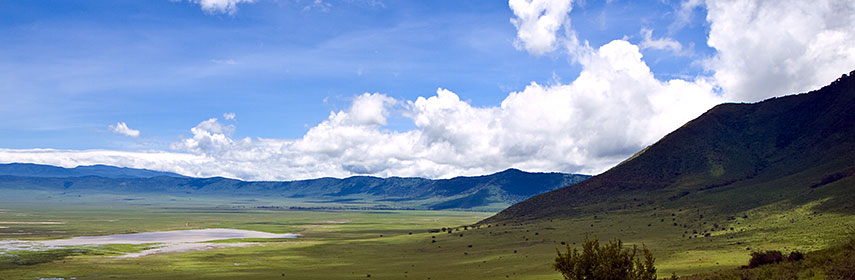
(398, 244)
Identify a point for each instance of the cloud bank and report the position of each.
(614, 108)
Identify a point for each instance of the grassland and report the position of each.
(355, 244)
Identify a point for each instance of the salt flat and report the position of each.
(171, 241)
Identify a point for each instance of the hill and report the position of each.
(489, 193)
(791, 150)
(106, 171)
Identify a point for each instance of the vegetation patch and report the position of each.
(837, 262)
(26, 258)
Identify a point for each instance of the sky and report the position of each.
(296, 89)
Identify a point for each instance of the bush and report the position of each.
(607, 262)
(795, 256)
(768, 257)
(836, 262)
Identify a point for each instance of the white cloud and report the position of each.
(349, 142)
(229, 116)
(664, 43)
(685, 13)
(210, 137)
(220, 6)
(613, 109)
(369, 109)
(537, 23)
(123, 129)
(776, 47)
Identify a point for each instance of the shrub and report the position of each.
(795, 256)
(607, 262)
(762, 258)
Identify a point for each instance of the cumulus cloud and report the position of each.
(210, 137)
(369, 109)
(220, 6)
(613, 109)
(229, 116)
(349, 142)
(771, 47)
(123, 129)
(664, 43)
(537, 23)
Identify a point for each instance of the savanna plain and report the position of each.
(379, 244)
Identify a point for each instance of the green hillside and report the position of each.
(791, 150)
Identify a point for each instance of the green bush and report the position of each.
(608, 262)
(834, 263)
(759, 258)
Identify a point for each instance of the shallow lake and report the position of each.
(173, 241)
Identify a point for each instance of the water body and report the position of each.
(169, 241)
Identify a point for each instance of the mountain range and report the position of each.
(106, 171)
(488, 193)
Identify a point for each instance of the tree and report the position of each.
(762, 258)
(608, 262)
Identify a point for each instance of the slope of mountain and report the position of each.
(489, 192)
(789, 150)
(39, 170)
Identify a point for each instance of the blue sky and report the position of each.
(163, 66)
(71, 72)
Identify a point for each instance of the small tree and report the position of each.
(765, 257)
(609, 262)
(795, 256)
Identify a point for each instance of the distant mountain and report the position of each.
(489, 192)
(783, 151)
(106, 171)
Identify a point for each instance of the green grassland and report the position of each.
(355, 244)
